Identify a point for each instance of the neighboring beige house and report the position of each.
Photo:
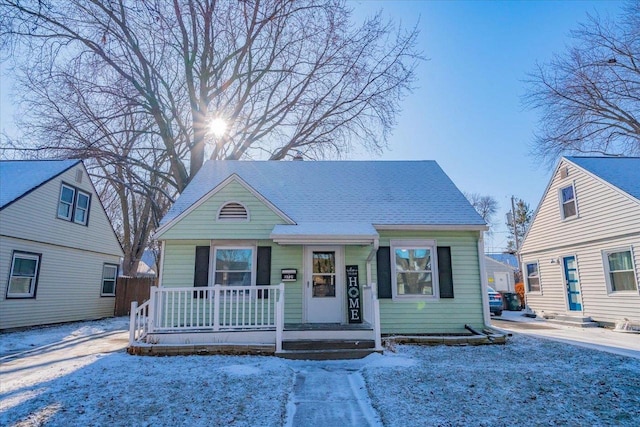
(500, 276)
(581, 255)
(59, 255)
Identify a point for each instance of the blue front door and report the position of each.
(573, 285)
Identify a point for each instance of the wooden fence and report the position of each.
(130, 289)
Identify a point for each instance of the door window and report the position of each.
(324, 274)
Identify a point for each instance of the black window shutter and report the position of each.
(445, 272)
(201, 274)
(384, 272)
(263, 275)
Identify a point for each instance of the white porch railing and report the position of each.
(214, 308)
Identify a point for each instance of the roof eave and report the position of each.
(432, 227)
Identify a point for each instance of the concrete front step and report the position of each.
(317, 345)
(335, 354)
(578, 321)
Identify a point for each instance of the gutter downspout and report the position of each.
(161, 266)
(374, 250)
(483, 280)
(375, 306)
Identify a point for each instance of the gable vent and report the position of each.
(79, 176)
(564, 172)
(233, 211)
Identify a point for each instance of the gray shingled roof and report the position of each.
(621, 172)
(373, 192)
(19, 177)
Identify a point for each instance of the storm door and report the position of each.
(324, 284)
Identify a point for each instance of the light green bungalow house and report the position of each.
(285, 256)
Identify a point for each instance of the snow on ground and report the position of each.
(30, 339)
(527, 381)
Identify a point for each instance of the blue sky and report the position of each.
(466, 112)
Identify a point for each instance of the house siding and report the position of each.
(597, 303)
(442, 315)
(607, 219)
(34, 217)
(414, 317)
(201, 223)
(68, 288)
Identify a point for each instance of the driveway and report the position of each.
(603, 339)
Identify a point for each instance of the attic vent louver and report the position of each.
(234, 212)
(564, 172)
(78, 176)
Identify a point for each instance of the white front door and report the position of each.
(324, 284)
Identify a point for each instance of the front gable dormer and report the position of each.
(233, 209)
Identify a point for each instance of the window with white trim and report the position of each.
(73, 204)
(620, 270)
(23, 277)
(413, 269)
(568, 205)
(234, 266)
(532, 277)
(109, 278)
(233, 211)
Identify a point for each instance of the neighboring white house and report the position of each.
(581, 255)
(59, 255)
(500, 276)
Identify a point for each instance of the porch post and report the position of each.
(216, 307)
(152, 308)
(279, 317)
(375, 315)
(132, 322)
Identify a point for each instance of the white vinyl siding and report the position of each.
(68, 288)
(34, 217)
(609, 220)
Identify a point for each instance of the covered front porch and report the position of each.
(245, 319)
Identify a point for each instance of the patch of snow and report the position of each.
(91, 381)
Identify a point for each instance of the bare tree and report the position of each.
(486, 206)
(589, 96)
(133, 85)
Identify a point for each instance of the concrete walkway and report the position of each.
(330, 394)
(603, 339)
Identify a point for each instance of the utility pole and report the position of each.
(514, 224)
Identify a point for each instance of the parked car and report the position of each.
(495, 302)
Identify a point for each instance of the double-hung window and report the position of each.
(23, 278)
(109, 277)
(533, 277)
(620, 270)
(413, 268)
(568, 202)
(74, 204)
(234, 266)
